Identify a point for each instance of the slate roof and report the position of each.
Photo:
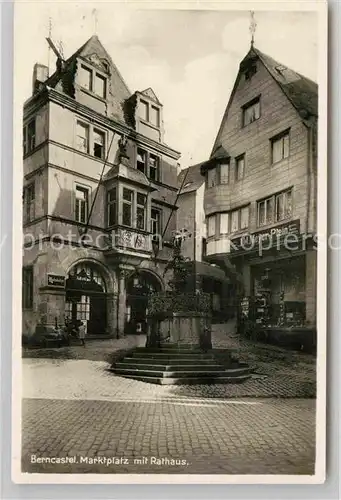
(194, 179)
(300, 90)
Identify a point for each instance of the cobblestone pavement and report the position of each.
(245, 437)
(74, 407)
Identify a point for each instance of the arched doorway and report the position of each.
(138, 288)
(86, 298)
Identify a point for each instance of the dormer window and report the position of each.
(100, 85)
(149, 113)
(92, 81)
(155, 116)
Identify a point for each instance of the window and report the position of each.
(224, 223)
(128, 197)
(141, 160)
(85, 78)
(284, 205)
(155, 223)
(155, 116)
(141, 200)
(275, 208)
(251, 112)
(240, 167)
(265, 212)
(234, 221)
(280, 147)
(212, 177)
(211, 222)
(224, 173)
(93, 82)
(98, 145)
(29, 137)
(154, 167)
(250, 71)
(112, 207)
(82, 137)
(82, 204)
(144, 108)
(29, 202)
(100, 85)
(149, 113)
(27, 288)
(244, 218)
(149, 164)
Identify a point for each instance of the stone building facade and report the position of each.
(98, 202)
(261, 189)
(206, 276)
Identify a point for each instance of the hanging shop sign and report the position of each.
(55, 280)
(268, 237)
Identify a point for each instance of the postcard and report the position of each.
(170, 173)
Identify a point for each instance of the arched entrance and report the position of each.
(138, 288)
(86, 298)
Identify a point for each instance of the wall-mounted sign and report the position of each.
(55, 280)
(274, 235)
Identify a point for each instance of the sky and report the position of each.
(189, 57)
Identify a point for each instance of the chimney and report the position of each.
(40, 75)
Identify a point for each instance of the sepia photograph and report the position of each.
(171, 314)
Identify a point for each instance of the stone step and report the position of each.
(190, 380)
(172, 355)
(178, 373)
(125, 363)
(170, 361)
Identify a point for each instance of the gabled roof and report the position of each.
(151, 94)
(301, 92)
(194, 180)
(90, 47)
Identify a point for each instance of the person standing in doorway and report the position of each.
(82, 332)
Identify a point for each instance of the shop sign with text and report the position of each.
(273, 235)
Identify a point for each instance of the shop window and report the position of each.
(155, 224)
(29, 202)
(27, 287)
(280, 147)
(224, 173)
(82, 204)
(98, 144)
(240, 167)
(112, 207)
(29, 137)
(224, 223)
(211, 223)
(284, 205)
(127, 207)
(83, 137)
(212, 177)
(141, 200)
(251, 112)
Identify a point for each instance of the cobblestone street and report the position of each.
(77, 409)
